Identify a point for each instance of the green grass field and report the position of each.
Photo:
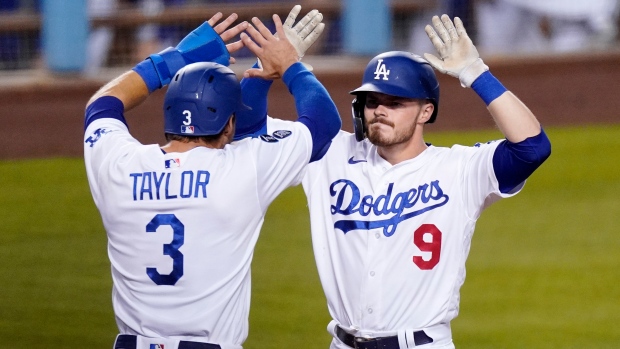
(543, 271)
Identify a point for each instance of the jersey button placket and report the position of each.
(373, 288)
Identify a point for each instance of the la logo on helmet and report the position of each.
(381, 70)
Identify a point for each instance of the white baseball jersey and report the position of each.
(390, 242)
(182, 226)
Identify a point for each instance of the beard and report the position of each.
(400, 135)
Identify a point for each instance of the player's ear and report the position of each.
(426, 111)
(228, 133)
(232, 122)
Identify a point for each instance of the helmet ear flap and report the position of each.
(357, 111)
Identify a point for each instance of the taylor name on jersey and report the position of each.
(169, 185)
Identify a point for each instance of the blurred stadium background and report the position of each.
(544, 266)
(123, 32)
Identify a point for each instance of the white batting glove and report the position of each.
(458, 55)
(306, 31)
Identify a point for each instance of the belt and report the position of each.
(127, 341)
(419, 338)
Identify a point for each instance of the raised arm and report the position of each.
(527, 146)
(204, 44)
(459, 57)
(315, 108)
(302, 35)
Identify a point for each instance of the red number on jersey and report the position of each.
(434, 246)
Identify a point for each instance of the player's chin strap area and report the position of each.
(402, 339)
(357, 111)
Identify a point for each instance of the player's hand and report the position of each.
(305, 33)
(458, 56)
(203, 44)
(227, 34)
(275, 52)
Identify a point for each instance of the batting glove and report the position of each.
(203, 44)
(303, 34)
(306, 31)
(458, 56)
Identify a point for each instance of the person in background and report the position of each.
(99, 38)
(551, 26)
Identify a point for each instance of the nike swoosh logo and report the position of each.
(353, 162)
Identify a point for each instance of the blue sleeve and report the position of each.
(105, 107)
(315, 108)
(513, 163)
(253, 123)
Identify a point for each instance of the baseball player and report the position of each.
(182, 219)
(392, 217)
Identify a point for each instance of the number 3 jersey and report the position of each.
(390, 242)
(182, 227)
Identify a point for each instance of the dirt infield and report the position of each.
(45, 119)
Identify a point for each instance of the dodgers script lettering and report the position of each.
(396, 207)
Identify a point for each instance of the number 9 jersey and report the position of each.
(390, 242)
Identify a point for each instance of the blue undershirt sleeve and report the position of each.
(513, 163)
(105, 107)
(253, 123)
(315, 108)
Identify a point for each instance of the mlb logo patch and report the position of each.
(156, 346)
(187, 129)
(268, 138)
(281, 134)
(172, 163)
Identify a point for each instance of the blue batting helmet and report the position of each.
(395, 73)
(200, 99)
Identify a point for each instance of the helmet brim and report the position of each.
(391, 90)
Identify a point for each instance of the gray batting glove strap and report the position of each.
(469, 74)
(458, 56)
